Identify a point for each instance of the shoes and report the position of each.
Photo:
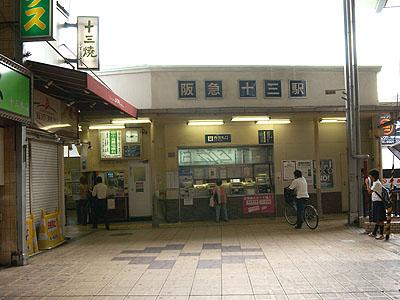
(379, 237)
(226, 220)
(297, 227)
(371, 234)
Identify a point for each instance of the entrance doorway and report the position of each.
(139, 190)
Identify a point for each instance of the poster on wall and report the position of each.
(110, 144)
(326, 173)
(258, 204)
(288, 168)
(306, 168)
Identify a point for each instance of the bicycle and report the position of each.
(310, 214)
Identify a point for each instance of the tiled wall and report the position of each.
(8, 229)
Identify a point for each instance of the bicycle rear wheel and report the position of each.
(311, 216)
(290, 213)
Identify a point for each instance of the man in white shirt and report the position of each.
(100, 203)
(299, 185)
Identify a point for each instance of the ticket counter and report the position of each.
(247, 174)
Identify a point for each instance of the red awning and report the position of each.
(92, 97)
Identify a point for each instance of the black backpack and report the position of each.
(385, 197)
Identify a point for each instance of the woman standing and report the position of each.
(220, 200)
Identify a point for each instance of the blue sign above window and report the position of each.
(272, 88)
(217, 138)
(187, 89)
(297, 88)
(213, 88)
(247, 89)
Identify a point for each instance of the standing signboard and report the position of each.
(88, 43)
(36, 20)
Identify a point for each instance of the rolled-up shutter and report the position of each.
(45, 189)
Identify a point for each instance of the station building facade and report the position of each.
(171, 160)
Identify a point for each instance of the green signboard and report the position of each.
(14, 92)
(113, 142)
(36, 19)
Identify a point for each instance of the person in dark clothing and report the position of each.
(100, 203)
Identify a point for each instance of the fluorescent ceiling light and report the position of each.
(333, 120)
(205, 122)
(131, 121)
(106, 126)
(274, 122)
(249, 118)
(55, 126)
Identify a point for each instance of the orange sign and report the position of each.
(387, 130)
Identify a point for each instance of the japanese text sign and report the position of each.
(88, 43)
(36, 20)
(247, 89)
(257, 204)
(265, 137)
(110, 144)
(297, 88)
(187, 89)
(217, 138)
(272, 89)
(213, 89)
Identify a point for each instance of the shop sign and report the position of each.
(15, 92)
(265, 137)
(297, 88)
(257, 204)
(36, 20)
(186, 89)
(326, 173)
(88, 43)
(391, 132)
(217, 138)
(110, 144)
(272, 88)
(213, 89)
(247, 88)
(49, 111)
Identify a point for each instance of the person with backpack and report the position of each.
(220, 199)
(378, 206)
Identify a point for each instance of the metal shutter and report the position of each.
(45, 190)
(28, 182)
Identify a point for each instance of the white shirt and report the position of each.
(100, 190)
(376, 187)
(300, 186)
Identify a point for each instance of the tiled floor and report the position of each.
(242, 260)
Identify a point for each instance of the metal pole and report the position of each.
(317, 160)
(20, 144)
(351, 82)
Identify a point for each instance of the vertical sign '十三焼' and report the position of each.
(88, 43)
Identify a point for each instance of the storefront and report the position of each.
(15, 114)
(63, 99)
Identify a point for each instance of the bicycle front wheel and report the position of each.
(311, 216)
(290, 214)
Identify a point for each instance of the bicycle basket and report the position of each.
(289, 195)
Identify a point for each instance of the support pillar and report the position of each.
(317, 159)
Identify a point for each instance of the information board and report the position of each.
(132, 150)
(110, 144)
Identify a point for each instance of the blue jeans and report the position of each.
(300, 211)
(218, 211)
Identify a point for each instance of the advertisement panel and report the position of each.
(257, 204)
(110, 144)
(36, 20)
(15, 91)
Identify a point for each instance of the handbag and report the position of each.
(211, 204)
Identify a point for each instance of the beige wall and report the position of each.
(157, 88)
